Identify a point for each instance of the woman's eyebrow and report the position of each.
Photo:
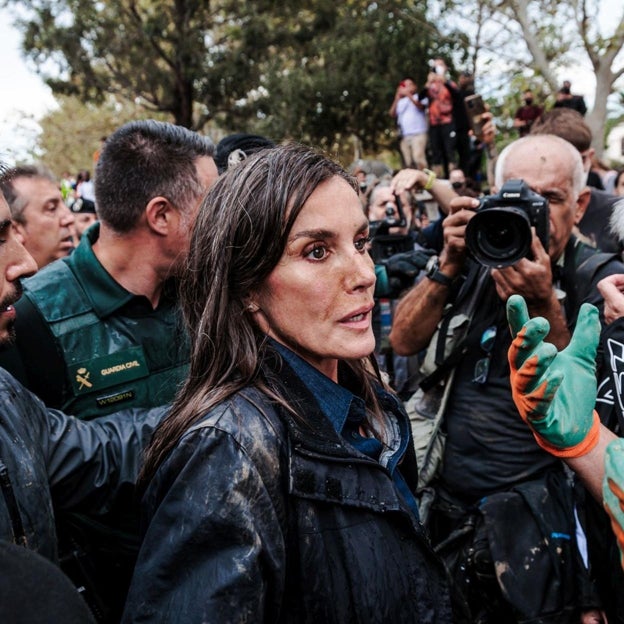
(315, 233)
(324, 234)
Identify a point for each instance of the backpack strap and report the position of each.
(579, 276)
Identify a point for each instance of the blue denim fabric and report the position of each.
(347, 411)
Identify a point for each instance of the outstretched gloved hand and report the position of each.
(555, 392)
(613, 490)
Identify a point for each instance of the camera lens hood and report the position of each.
(499, 236)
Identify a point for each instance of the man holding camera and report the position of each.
(498, 496)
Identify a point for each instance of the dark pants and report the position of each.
(443, 141)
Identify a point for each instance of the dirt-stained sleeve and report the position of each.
(214, 544)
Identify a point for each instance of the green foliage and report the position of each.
(159, 52)
(71, 134)
(342, 83)
(318, 71)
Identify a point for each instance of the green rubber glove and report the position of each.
(555, 393)
(613, 490)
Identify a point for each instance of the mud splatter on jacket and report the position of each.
(257, 516)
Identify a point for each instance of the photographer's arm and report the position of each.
(393, 109)
(417, 316)
(415, 179)
(419, 312)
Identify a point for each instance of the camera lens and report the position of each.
(499, 237)
(390, 209)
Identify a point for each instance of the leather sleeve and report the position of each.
(87, 463)
(214, 548)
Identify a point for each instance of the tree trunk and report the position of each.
(597, 117)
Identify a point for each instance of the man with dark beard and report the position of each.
(100, 331)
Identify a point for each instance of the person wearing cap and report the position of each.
(235, 148)
(84, 215)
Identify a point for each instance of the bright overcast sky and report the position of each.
(24, 98)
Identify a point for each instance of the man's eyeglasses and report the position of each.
(482, 367)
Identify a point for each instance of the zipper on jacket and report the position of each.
(19, 535)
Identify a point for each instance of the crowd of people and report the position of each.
(294, 392)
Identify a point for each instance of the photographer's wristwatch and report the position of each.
(433, 272)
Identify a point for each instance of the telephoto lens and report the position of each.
(499, 237)
(500, 233)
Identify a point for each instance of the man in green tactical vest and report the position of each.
(99, 331)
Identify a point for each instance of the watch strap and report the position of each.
(440, 278)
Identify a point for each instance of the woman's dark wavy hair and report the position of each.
(238, 239)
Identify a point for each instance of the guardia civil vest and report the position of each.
(112, 361)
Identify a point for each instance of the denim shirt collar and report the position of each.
(341, 407)
(333, 400)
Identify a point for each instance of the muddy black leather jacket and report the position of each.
(49, 460)
(257, 516)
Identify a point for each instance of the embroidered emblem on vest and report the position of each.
(108, 370)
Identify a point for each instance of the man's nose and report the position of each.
(67, 216)
(22, 263)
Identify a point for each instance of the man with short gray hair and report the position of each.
(42, 220)
(100, 330)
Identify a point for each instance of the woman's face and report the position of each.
(619, 189)
(318, 299)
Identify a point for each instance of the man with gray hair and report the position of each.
(494, 480)
(100, 330)
(599, 223)
(42, 220)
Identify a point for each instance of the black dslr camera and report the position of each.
(384, 244)
(500, 233)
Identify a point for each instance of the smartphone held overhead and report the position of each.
(475, 109)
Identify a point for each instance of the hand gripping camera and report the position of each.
(500, 233)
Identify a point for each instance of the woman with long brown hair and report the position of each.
(280, 488)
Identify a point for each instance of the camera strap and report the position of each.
(466, 303)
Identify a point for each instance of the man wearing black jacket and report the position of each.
(50, 461)
(493, 474)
